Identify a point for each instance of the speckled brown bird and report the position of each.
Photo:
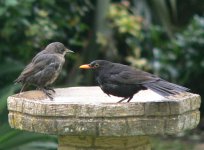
(124, 81)
(44, 68)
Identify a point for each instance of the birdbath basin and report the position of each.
(86, 118)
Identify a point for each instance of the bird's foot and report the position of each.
(47, 93)
(109, 95)
(129, 98)
(122, 100)
(50, 89)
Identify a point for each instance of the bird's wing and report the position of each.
(39, 63)
(132, 76)
(38, 57)
(41, 53)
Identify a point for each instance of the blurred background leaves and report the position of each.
(165, 37)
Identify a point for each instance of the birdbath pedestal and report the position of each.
(86, 118)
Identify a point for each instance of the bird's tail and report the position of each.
(165, 88)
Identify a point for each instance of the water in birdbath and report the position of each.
(94, 95)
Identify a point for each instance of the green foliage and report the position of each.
(15, 139)
(185, 52)
(181, 58)
(170, 144)
(28, 25)
(124, 21)
(127, 29)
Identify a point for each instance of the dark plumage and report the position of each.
(44, 68)
(124, 81)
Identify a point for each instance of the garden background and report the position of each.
(164, 37)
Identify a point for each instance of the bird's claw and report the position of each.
(122, 100)
(129, 98)
(50, 89)
(47, 93)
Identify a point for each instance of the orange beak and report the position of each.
(86, 66)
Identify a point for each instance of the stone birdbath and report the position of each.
(86, 118)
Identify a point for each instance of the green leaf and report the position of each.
(10, 68)
(11, 2)
(2, 10)
(19, 138)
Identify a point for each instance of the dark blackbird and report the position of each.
(124, 81)
(44, 68)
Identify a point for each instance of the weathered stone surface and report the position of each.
(88, 111)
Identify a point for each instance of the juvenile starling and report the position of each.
(44, 68)
(124, 81)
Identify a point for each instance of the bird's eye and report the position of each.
(96, 65)
(62, 50)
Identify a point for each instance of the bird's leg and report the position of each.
(47, 93)
(122, 100)
(23, 88)
(50, 88)
(108, 94)
(129, 98)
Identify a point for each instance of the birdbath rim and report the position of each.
(93, 95)
(88, 111)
